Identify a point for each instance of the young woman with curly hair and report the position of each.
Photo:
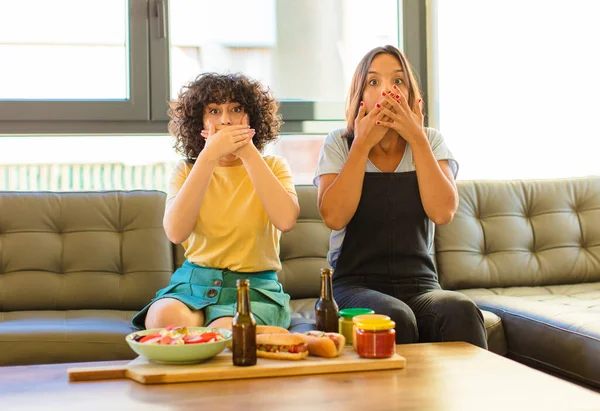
(227, 204)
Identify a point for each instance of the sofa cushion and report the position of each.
(82, 250)
(304, 249)
(521, 233)
(554, 327)
(43, 337)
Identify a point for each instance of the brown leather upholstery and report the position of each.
(529, 251)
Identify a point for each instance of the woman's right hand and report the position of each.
(226, 140)
(366, 132)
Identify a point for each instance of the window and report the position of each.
(88, 83)
(76, 67)
(62, 57)
(60, 62)
(304, 50)
(518, 87)
(119, 162)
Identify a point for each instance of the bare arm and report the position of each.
(182, 211)
(280, 205)
(436, 184)
(339, 194)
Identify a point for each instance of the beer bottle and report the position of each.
(243, 327)
(326, 309)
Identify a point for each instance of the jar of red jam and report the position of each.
(375, 338)
(362, 317)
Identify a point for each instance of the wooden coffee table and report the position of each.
(441, 376)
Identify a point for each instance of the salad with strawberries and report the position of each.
(176, 335)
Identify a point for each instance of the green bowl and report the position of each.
(179, 354)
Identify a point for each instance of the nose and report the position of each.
(225, 118)
(389, 86)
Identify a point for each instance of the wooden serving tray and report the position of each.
(221, 368)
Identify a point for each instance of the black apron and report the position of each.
(385, 245)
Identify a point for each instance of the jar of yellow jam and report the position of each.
(346, 324)
(375, 338)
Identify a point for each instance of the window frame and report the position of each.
(145, 113)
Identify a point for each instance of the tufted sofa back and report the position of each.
(82, 250)
(304, 249)
(522, 233)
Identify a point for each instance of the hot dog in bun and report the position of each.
(281, 346)
(323, 344)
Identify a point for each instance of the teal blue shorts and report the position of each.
(214, 291)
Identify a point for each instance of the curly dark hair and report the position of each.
(187, 112)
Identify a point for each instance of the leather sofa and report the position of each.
(529, 251)
(75, 267)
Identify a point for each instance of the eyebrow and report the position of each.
(217, 104)
(395, 71)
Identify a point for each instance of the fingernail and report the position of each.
(396, 88)
(362, 103)
(378, 122)
(383, 93)
(420, 100)
(377, 105)
(397, 95)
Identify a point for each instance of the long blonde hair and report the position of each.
(359, 82)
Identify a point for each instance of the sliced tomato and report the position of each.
(145, 338)
(166, 340)
(193, 339)
(152, 340)
(294, 349)
(202, 338)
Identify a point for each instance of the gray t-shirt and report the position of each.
(334, 154)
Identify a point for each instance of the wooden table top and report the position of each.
(440, 376)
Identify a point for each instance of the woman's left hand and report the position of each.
(407, 121)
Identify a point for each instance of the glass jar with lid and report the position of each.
(346, 324)
(375, 337)
(367, 317)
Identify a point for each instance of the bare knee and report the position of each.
(223, 322)
(169, 311)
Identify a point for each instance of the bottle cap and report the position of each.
(353, 312)
(243, 282)
(369, 317)
(375, 325)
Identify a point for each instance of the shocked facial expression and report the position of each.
(384, 73)
(226, 114)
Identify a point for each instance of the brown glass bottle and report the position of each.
(326, 309)
(243, 327)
